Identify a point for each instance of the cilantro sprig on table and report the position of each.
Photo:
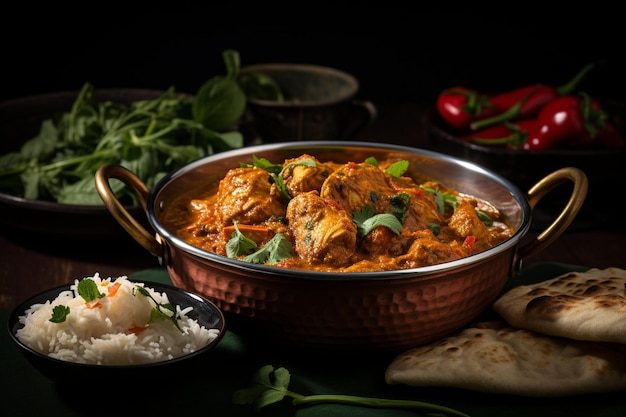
(271, 385)
(150, 137)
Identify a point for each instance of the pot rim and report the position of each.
(180, 244)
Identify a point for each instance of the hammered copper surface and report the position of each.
(364, 314)
(387, 310)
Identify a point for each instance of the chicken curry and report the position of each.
(307, 214)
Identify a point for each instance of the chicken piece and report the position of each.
(355, 186)
(465, 222)
(247, 196)
(322, 231)
(426, 250)
(300, 179)
(422, 210)
(382, 241)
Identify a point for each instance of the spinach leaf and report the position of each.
(221, 101)
(150, 137)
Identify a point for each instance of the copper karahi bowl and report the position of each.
(388, 310)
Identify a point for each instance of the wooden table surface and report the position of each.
(30, 264)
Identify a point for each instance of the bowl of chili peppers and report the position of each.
(529, 131)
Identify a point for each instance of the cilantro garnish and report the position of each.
(484, 218)
(434, 227)
(59, 314)
(372, 161)
(397, 169)
(366, 221)
(400, 205)
(276, 171)
(274, 251)
(442, 199)
(88, 289)
(239, 244)
(159, 311)
(271, 385)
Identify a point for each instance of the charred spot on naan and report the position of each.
(547, 304)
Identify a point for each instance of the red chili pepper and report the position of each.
(508, 134)
(570, 122)
(460, 106)
(526, 102)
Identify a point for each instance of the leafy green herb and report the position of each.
(276, 171)
(484, 218)
(239, 244)
(160, 310)
(149, 137)
(442, 199)
(59, 314)
(221, 101)
(434, 227)
(276, 250)
(400, 205)
(372, 161)
(88, 289)
(271, 385)
(366, 221)
(398, 168)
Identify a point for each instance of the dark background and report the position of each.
(397, 54)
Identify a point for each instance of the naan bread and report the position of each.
(587, 305)
(496, 358)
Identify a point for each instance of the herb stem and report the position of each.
(75, 161)
(372, 402)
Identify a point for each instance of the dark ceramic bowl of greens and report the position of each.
(62, 205)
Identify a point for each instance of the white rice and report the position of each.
(116, 331)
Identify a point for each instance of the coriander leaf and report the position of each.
(267, 388)
(157, 312)
(276, 250)
(372, 161)
(239, 244)
(277, 171)
(271, 386)
(366, 221)
(266, 165)
(387, 220)
(88, 289)
(434, 227)
(442, 199)
(400, 205)
(59, 314)
(484, 218)
(397, 169)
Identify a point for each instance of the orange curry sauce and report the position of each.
(318, 210)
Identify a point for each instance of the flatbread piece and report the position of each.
(496, 358)
(587, 305)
